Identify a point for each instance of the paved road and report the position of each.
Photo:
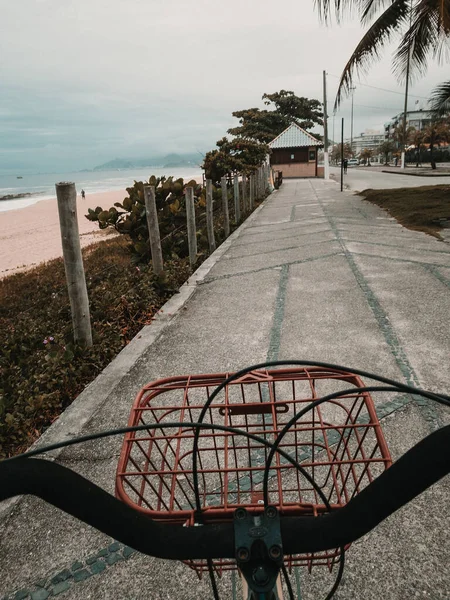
(361, 179)
(318, 275)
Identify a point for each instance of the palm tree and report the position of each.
(417, 138)
(398, 134)
(435, 134)
(387, 148)
(423, 27)
(366, 154)
(440, 99)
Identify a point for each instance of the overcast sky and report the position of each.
(85, 81)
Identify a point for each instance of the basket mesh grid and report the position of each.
(339, 443)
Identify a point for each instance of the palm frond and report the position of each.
(390, 21)
(440, 99)
(369, 8)
(444, 15)
(325, 8)
(428, 33)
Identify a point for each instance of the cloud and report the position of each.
(85, 81)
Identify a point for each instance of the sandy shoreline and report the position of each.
(31, 235)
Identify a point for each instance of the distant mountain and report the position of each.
(117, 163)
(167, 161)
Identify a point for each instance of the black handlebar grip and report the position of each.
(415, 471)
(418, 469)
(89, 503)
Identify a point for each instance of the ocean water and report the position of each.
(42, 186)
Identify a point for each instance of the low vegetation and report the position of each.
(41, 370)
(424, 208)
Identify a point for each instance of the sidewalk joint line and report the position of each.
(281, 249)
(426, 408)
(260, 270)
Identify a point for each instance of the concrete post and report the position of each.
(226, 216)
(244, 194)
(66, 196)
(252, 191)
(192, 231)
(209, 215)
(237, 203)
(153, 229)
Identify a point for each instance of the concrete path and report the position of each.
(315, 274)
(360, 178)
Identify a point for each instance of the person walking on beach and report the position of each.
(345, 165)
(83, 194)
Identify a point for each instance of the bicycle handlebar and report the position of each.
(414, 472)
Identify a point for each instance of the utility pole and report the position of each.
(342, 154)
(334, 115)
(326, 162)
(405, 109)
(351, 124)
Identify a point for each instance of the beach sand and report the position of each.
(31, 235)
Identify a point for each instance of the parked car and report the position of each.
(353, 162)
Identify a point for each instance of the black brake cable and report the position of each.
(212, 579)
(337, 581)
(297, 416)
(282, 433)
(280, 436)
(288, 582)
(122, 430)
(396, 387)
(441, 398)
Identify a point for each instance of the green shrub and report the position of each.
(41, 370)
(129, 217)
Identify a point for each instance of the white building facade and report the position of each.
(370, 139)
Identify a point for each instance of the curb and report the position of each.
(431, 175)
(71, 422)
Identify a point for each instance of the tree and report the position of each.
(236, 155)
(417, 138)
(423, 26)
(386, 148)
(336, 152)
(264, 125)
(366, 154)
(435, 134)
(401, 138)
(440, 99)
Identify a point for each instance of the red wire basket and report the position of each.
(339, 443)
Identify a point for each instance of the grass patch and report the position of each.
(41, 370)
(420, 209)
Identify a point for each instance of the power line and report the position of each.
(385, 108)
(382, 89)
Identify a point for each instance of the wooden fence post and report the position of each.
(252, 191)
(153, 229)
(237, 203)
(244, 194)
(209, 215)
(226, 216)
(66, 196)
(191, 229)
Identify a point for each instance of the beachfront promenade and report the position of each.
(313, 274)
